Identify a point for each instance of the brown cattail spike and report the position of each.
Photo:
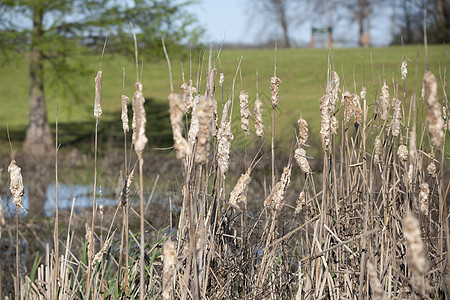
(245, 112)
(140, 140)
(124, 115)
(258, 113)
(224, 137)
(238, 193)
(424, 198)
(274, 89)
(396, 117)
(16, 184)
(204, 115)
(177, 110)
(384, 101)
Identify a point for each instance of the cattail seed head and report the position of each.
(404, 69)
(238, 193)
(402, 153)
(424, 198)
(105, 248)
(124, 115)
(211, 82)
(177, 110)
(384, 101)
(274, 88)
(301, 201)
(170, 262)
(221, 79)
(363, 93)
(89, 237)
(396, 117)
(334, 125)
(378, 151)
(431, 169)
(434, 117)
(16, 184)
(325, 130)
(348, 106)
(415, 250)
(188, 92)
(193, 128)
(126, 189)
(245, 112)
(356, 104)
(302, 132)
(258, 113)
(98, 94)
(224, 137)
(140, 140)
(204, 115)
(276, 197)
(376, 287)
(300, 157)
(333, 90)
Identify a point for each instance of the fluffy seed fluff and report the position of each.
(140, 140)
(434, 117)
(396, 117)
(376, 287)
(276, 197)
(221, 79)
(402, 153)
(333, 90)
(177, 110)
(384, 101)
(325, 129)
(193, 129)
(98, 94)
(299, 156)
(105, 248)
(211, 82)
(415, 249)
(258, 113)
(188, 92)
(124, 115)
(334, 125)
(238, 192)
(245, 112)
(423, 198)
(224, 137)
(431, 169)
(274, 88)
(363, 93)
(348, 106)
(410, 173)
(16, 184)
(204, 115)
(404, 69)
(356, 104)
(170, 262)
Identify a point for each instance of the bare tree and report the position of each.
(282, 13)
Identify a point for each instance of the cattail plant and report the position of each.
(204, 115)
(245, 112)
(224, 137)
(98, 94)
(301, 202)
(276, 197)
(300, 157)
(238, 193)
(169, 266)
(258, 113)
(357, 111)
(377, 158)
(348, 106)
(434, 117)
(16, 184)
(325, 128)
(404, 69)
(402, 153)
(302, 132)
(177, 110)
(424, 198)
(415, 251)
(396, 103)
(274, 89)
(193, 128)
(139, 138)
(124, 115)
(376, 287)
(384, 101)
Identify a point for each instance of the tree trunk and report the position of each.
(38, 144)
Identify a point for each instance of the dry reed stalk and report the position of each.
(98, 94)
(397, 116)
(276, 197)
(415, 251)
(2, 218)
(238, 193)
(204, 115)
(139, 139)
(300, 157)
(376, 287)
(384, 101)
(245, 112)
(170, 262)
(224, 137)
(274, 89)
(378, 158)
(177, 110)
(402, 153)
(16, 184)
(434, 117)
(258, 113)
(124, 115)
(424, 198)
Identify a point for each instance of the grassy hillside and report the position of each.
(302, 72)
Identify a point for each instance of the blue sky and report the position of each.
(231, 18)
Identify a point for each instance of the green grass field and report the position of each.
(302, 72)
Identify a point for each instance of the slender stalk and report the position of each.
(141, 256)
(56, 234)
(16, 282)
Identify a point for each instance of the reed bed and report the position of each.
(371, 223)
